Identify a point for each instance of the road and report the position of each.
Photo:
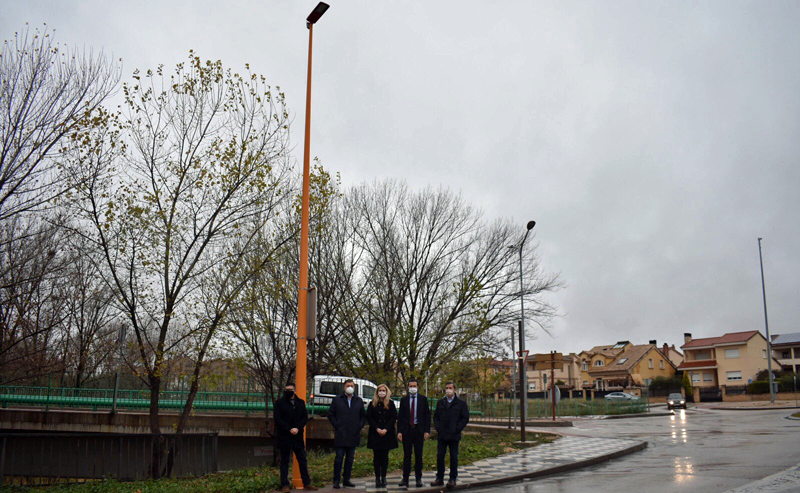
(698, 450)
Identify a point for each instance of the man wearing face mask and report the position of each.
(348, 417)
(450, 419)
(290, 418)
(414, 427)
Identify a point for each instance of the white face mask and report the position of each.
(450, 392)
(349, 390)
(412, 390)
(381, 394)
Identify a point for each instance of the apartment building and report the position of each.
(731, 359)
(786, 349)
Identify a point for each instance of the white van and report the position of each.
(326, 387)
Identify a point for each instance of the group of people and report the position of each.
(410, 425)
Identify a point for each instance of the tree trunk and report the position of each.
(157, 442)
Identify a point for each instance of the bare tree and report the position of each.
(31, 299)
(45, 89)
(176, 189)
(435, 282)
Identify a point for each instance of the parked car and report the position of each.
(676, 400)
(326, 387)
(621, 397)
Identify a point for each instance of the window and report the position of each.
(695, 378)
(701, 356)
(369, 391)
(786, 355)
(622, 361)
(650, 363)
(661, 364)
(734, 375)
(765, 353)
(598, 363)
(585, 365)
(731, 353)
(333, 388)
(708, 377)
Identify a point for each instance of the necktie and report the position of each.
(413, 409)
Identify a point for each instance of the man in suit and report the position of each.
(347, 415)
(290, 418)
(450, 419)
(414, 427)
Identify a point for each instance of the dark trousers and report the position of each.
(299, 450)
(348, 454)
(440, 452)
(413, 441)
(380, 462)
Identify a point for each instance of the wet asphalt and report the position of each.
(698, 450)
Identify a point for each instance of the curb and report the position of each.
(717, 408)
(645, 415)
(519, 477)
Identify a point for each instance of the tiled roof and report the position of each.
(729, 338)
(632, 355)
(703, 363)
(607, 351)
(793, 338)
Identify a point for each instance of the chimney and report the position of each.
(687, 337)
(665, 350)
(654, 342)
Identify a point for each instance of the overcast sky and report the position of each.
(652, 142)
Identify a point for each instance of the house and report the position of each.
(538, 380)
(731, 359)
(636, 365)
(786, 349)
(598, 356)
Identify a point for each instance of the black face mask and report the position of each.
(288, 394)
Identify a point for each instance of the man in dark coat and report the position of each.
(414, 427)
(450, 419)
(290, 419)
(347, 415)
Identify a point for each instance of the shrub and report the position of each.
(764, 375)
(758, 387)
(664, 383)
(687, 385)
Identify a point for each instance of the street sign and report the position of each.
(548, 357)
(547, 365)
(558, 395)
(523, 355)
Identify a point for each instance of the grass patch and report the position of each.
(474, 446)
(796, 415)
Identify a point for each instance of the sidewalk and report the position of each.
(787, 481)
(565, 454)
(749, 405)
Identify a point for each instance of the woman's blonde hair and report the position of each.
(385, 400)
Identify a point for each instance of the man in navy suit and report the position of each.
(347, 415)
(413, 427)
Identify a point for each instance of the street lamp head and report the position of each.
(531, 224)
(315, 14)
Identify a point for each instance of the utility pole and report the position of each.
(766, 327)
(513, 378)
(525, 391)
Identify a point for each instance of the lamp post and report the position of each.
(766, 327)
(302, 296)
(524, 375)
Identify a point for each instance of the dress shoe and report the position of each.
(336, 486)
(348, 484)
(420, 484)
(451, 484)
(438, 482)
(285, 489)
(403, 483)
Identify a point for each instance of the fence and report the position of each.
(502, 412)
(53, 458)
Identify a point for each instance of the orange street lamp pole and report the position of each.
(302, 296)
